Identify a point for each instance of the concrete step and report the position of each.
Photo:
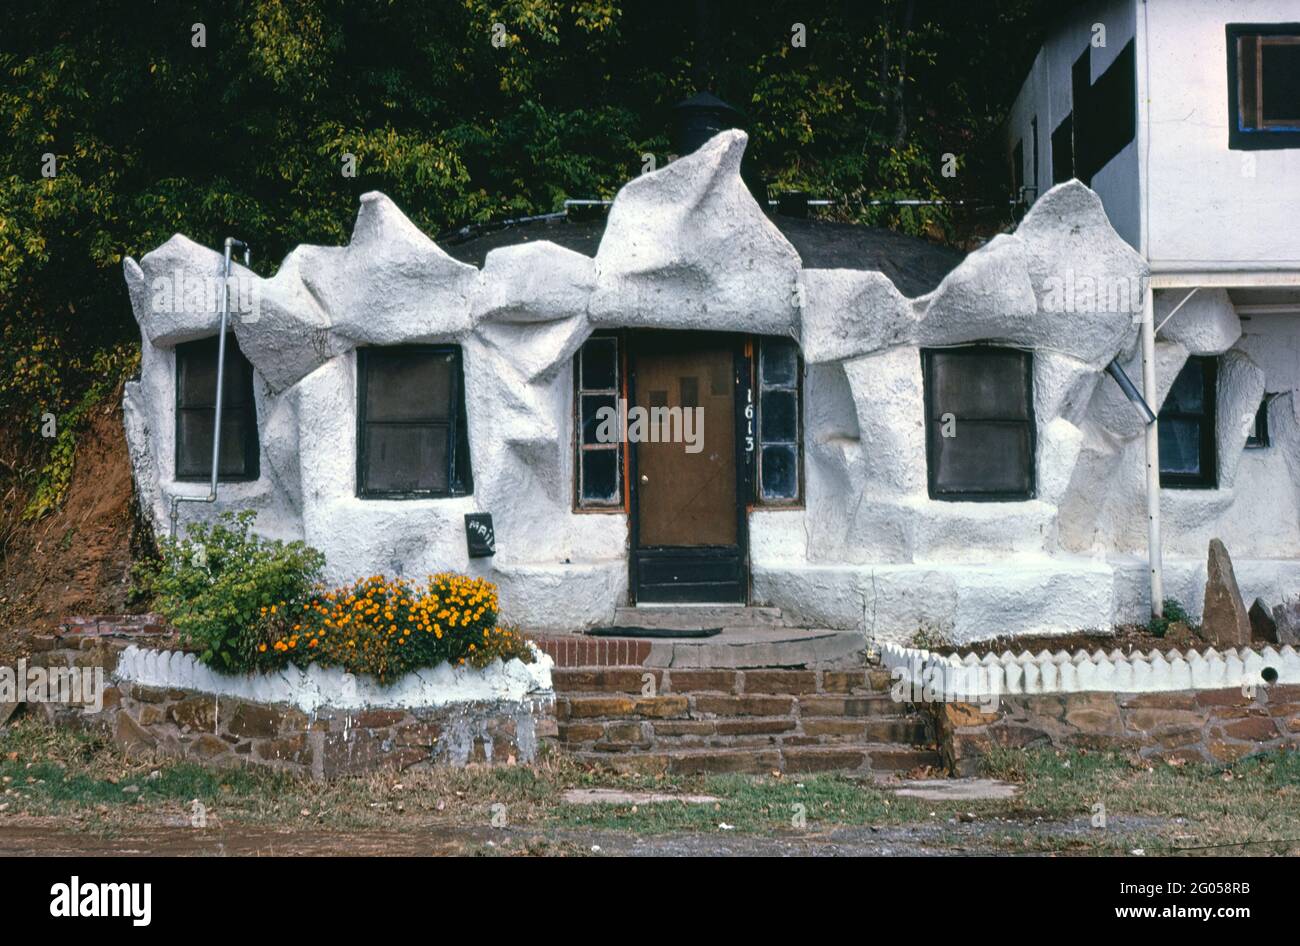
(735, 648)
(864, 759)
(694, 617)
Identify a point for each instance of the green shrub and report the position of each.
(1173, 613)
(214, 585)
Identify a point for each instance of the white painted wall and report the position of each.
(1210, 207)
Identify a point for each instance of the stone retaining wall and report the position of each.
(1216, 726)
(220, 729)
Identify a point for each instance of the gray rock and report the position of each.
(1224, 620)
(1286, 617)
(1263, 629)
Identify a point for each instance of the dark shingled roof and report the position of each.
(916, 266)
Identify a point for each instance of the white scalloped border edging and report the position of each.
(1005, 674)
(318, 687)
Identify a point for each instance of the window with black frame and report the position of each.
(1187, 427)
(779, 447)
(979, 422)
(1263, 85)
(196, 409)
(412, 435)
(597, 384)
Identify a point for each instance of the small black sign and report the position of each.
(479, 536)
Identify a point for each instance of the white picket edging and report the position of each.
(317, 687)
(970, 677)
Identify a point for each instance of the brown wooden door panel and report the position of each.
(686, 491)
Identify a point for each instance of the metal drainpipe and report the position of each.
(1154, 563)
(231, 242)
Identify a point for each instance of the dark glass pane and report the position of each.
(599, 364)
(196, 369)
(988, 384)
(779, 417)
(780, 472)
(405, 459)
(688, 390)
(194, 443)
(1187, 396)
(1180, 447)
(408, 385)
(778, 363)
(600, 479)
(591, 423)
(983, 458)
(1280, 81)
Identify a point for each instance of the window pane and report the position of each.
(1180, 446)
(408, 385)
(599, 364)
(600, 479)
(983, 458)
(405, 458)
(987, 384)
(779, 417)
(778, 363)
(1280, 80)
(194, 443)
(196, 369)
(1187, 396)
(591, 422)
(780, 472)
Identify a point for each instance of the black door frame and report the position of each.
(743, 416)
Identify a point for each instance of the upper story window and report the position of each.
(979, 423)
(1187, 435)
(412, 437)
(779, 450)
(196, 409)
(1264, 85)
(598, 379)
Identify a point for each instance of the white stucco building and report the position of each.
(887, 437)
(1184, 117)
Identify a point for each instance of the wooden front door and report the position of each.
(687, 485)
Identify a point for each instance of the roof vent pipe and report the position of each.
(231, 242)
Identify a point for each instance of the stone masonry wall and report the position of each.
(1216, 726)
(222, 730)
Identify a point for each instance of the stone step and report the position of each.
(625, 735)
(863, 759)
(638, 680)
(735, 648)
(702, 705)
(695, 617)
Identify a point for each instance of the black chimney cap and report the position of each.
(699, 118)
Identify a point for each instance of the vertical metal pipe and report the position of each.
(1151, 396)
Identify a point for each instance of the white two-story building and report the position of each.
(1184, 117)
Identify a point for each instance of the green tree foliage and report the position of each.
(248, 134)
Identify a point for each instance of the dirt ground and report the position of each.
(77, 560)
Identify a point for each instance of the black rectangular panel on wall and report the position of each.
(1105, 111)
(1063, 150)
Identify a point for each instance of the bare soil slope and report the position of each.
(77, 560)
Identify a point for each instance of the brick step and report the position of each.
(735, 648)
(788, 759)
(638, 680)
(696, 705)
(623, 735)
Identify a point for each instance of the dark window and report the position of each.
(1263, 85)
(979, 420)
(1063, 150)
(196, 410)
(1187, 451)
(597, 389)
(1258, 438)
(1018, 170)
(779, 421)
(412, 438)
(1105, 111)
